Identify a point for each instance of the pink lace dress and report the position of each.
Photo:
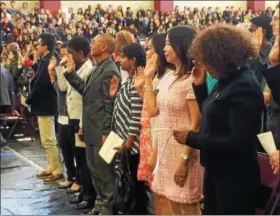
(172, 102)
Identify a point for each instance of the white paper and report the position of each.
(267, 141)
(63, 120)
(13, 118)
(78, 142)
(154, 134)
(107, 151)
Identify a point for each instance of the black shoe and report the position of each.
(75, 199)
(91, 212)
(84, 205)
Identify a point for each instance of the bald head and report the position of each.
(109, 40)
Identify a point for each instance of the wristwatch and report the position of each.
(184, 156)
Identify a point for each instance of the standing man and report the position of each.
(97, 116)
(65, 140)
(43, 102)
(79, 49)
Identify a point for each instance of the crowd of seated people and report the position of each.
(188, 112)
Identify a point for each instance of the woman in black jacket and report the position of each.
(231, 119)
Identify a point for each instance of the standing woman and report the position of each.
(178, 176)
(148, 146)
(231, 120)
(122, 38)
(155, 47)
(126, 119)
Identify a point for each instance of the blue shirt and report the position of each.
(211, 82)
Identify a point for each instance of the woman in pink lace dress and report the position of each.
(178, 174)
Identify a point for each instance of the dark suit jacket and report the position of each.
(43, 97)
(231, 120)
(97, 104)
(272, 76)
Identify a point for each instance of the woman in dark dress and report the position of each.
(231, 119)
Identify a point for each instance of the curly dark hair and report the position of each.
(223, 48)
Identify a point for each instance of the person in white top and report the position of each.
(79, 48)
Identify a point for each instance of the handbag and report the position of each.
(124, 194)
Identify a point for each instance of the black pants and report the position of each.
(88, 192)
(67, 145)
(142, 199)
(231, 191)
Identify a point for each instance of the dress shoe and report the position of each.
(75, 199)
(53, 179)
(64, 185)
(84, 205)
(74, 189)
(43, 175)
(91, 212)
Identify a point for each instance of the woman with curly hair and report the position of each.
(231, 120)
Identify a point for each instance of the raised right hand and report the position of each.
(63, 61)
(70, 66)
(114, 87)
(52, 64)
(198, 74)
(151, 66)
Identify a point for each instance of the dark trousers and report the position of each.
(142, 199)
(88, 192)
(231, 191)
(103, 179)
(67, 145)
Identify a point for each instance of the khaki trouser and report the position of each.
(48, 139)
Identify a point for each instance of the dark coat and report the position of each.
(97, 104)
(43, 97)
(231, 120)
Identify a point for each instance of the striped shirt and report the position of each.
(127, 113)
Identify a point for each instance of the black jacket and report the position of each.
(272, 76)
(231, 120)
(43, 97)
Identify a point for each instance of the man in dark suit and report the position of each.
(97, 116)
(43, 102)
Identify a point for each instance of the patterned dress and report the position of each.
(144, 173)
(172, 102)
